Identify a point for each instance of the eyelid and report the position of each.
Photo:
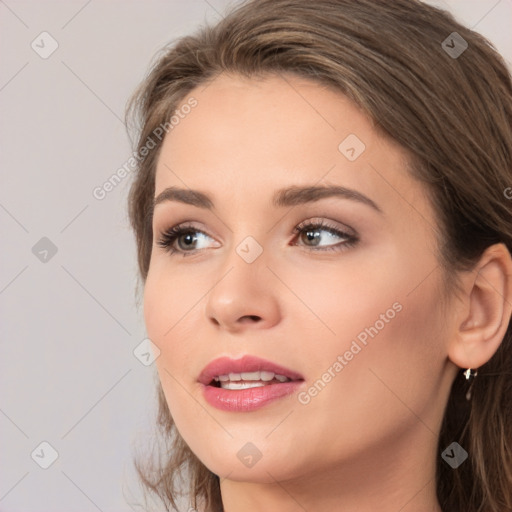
(323, 223)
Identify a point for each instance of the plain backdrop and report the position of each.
(70, 320)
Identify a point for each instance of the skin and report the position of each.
(368, 440)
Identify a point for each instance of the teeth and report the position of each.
(263, 376)
(266, 375)
(248, 376)
(241, 385)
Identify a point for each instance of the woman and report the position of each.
(324, 236)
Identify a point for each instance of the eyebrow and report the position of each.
(286, 197)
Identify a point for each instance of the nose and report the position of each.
(245, 297)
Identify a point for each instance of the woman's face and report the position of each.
(353, 306)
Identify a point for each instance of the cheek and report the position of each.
(169, 298)
(173, 301)
(168, 306)
(337, 302)
(380, 298)
(385, 322)
(390, 369)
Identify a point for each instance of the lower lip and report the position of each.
(251, 399)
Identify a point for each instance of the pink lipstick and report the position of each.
(246, 384)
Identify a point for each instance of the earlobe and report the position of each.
(487, 309)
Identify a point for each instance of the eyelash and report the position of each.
(168, 237)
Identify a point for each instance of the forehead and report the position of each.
(247, 135)
(273, 115)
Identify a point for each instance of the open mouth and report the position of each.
(246, 384)
(246, 380)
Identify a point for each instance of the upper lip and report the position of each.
(247, 363)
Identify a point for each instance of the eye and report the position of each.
(310, 232)
(185, 238)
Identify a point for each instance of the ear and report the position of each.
(486, 308)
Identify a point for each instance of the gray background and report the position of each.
(69, 324)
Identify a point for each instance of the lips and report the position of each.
(247, 384)
(224, 366)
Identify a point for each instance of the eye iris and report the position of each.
(313, 236)
(189, 237)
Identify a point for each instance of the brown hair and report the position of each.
(453, 114)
